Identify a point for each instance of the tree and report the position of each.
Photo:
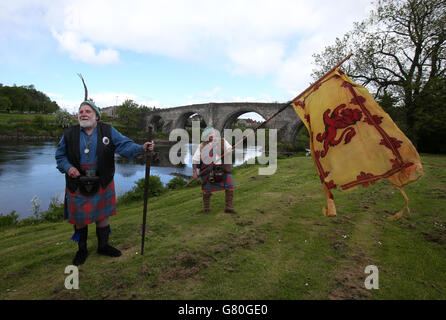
(51, 107)
(399, 50)
(63, 118)
(27, 98)
(431, 114)
(129, 114)
(5, 103)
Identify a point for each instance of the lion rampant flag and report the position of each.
(353, 141)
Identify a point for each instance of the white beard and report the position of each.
(87, 123)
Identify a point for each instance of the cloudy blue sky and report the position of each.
(168, 53)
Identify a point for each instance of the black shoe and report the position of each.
(103, 247)
(109, 251)
(80, 236)
(80, 257)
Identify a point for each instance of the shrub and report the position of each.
(8, 219)
(54, 212)
(63, 118)
(176, 183)
(156, 188)
(30, 221)
(39, 120)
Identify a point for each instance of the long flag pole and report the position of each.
(148, 160)
(205, 169)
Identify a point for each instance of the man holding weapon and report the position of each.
(85, 154)
(215, 176)
(207, 168)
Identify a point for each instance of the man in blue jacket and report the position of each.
(85, 155)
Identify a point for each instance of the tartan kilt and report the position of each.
(80, 209)
(226, 184)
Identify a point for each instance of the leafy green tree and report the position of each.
(431, 117)
(5, 103)
(400, 49)
(27, 98)
(389, 102)
(51, 107)
(129, 114)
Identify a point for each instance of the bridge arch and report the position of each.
(184, 117)
(300, 136)
(232, 117)
(157, 122)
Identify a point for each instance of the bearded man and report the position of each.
(85, 154)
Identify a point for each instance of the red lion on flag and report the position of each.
(337, 121)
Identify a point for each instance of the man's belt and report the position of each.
(89, 183)
(216, 175)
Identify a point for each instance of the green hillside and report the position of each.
(277, 246)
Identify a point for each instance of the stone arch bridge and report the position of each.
(223, 115)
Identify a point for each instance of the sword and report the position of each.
(148, 160)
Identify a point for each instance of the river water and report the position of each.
(29, 170)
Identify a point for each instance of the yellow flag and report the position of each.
(353, 141)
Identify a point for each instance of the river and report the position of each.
(28, 170)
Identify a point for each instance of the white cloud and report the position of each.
(256, 58)
(209, 94)
(258, 37)
(214, 95)
(72, 106)
(197, 29)
(151, 103)
(84, 51)
(106, 99)
(294, 73)
(205, 96)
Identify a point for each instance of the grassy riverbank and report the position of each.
(277, 246)
(18, 125)
(29, 127)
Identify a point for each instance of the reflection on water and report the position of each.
(29, 169)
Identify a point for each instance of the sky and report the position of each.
(169, 53)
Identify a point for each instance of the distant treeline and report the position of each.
(25, 99)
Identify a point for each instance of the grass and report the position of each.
(277, 246)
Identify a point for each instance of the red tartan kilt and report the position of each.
(80, 209)
(226, 184)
